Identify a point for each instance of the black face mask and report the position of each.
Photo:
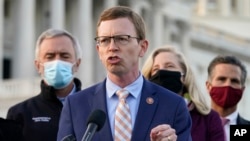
(168, 79)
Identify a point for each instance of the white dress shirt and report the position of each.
(232, 121)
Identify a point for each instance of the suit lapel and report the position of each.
(146, 112)
(241, 121)
(99, 102)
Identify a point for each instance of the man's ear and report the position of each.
(208, 85)
(38, 66)
(78, 62)
(97, 49)
(77, 65)
(144, 47)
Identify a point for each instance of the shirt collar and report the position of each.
(133, 88)
(73, 90)
(233, 117)
(62, 99)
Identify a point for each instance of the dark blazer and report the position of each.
(10, 130)
(241, 121)
(167, 107)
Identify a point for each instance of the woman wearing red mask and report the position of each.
(168, 68)
(225, 84)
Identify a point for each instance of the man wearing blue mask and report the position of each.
(57, 58)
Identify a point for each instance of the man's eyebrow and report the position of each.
(49, 53)
(221, 77)
(236, 79)
(64, 53)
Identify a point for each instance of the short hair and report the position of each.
(51, 33)
(227, 59)
(199, 99)
(124, 12)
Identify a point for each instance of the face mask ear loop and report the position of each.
(74, 70)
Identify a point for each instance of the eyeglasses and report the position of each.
(104, 41)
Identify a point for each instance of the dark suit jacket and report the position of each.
(10, 130)
(167, 108)
(242, 121)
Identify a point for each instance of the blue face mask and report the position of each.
(58, 74)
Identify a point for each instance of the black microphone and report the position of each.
(95, 122)
(69, 138)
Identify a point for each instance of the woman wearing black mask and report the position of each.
(168, 68)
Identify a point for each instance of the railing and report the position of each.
(14, 91)
(14, 88)
(205, 30)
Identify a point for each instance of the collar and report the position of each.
(62, 99)
(232, 117)
(48, 92)
(133, 88)
(72, 91)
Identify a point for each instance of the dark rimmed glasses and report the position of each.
(104, 41)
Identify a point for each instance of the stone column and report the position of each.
(246, 8)
(85, 36)
(202, 7)
(242, 8)
(167, 29)
(157, 30)
(1, 38)
(109, 3)
(57, 8)
(225, 7)
(184, 27)
(24, 47)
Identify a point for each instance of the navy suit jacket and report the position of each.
(167, 108)
(241, 121)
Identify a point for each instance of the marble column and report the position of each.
(243, 8)
(202, 7)
(167, 29)
(24, 47)
(57, 8)
(1, 38)
(85, 35)
(157, 30)
(110, 3)
(246, 8)
(184, 33)
(225, 7)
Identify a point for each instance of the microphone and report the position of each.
(69, 138)
(95, 122)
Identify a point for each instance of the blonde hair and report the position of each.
(199, 99)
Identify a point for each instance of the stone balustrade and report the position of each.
(14, 91)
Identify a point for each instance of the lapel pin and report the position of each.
(150, 100)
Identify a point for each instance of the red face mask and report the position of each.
(226, 96)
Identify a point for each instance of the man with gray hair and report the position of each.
(57, 58)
